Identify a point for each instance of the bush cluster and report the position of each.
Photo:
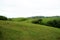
(38, 21)
(3, 18)
(54, 23)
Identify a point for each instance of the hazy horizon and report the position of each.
(28, 8)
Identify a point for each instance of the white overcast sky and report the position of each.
(27, 8)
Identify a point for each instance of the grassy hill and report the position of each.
(10, 30)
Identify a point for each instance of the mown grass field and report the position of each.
(12, 30)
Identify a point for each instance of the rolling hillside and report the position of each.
(27, 31)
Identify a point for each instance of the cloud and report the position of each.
(26, 8)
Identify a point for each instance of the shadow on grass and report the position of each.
(58, 38)
(1, 35)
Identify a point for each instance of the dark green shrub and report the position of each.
(3, 18)
(38, 21)
(23, 19)
(54, 23)
(10, 19)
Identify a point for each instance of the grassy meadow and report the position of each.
(25, 30)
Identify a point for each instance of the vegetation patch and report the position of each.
(3, 18)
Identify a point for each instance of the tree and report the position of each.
(3, 18)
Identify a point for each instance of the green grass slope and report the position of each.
(27, 31)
